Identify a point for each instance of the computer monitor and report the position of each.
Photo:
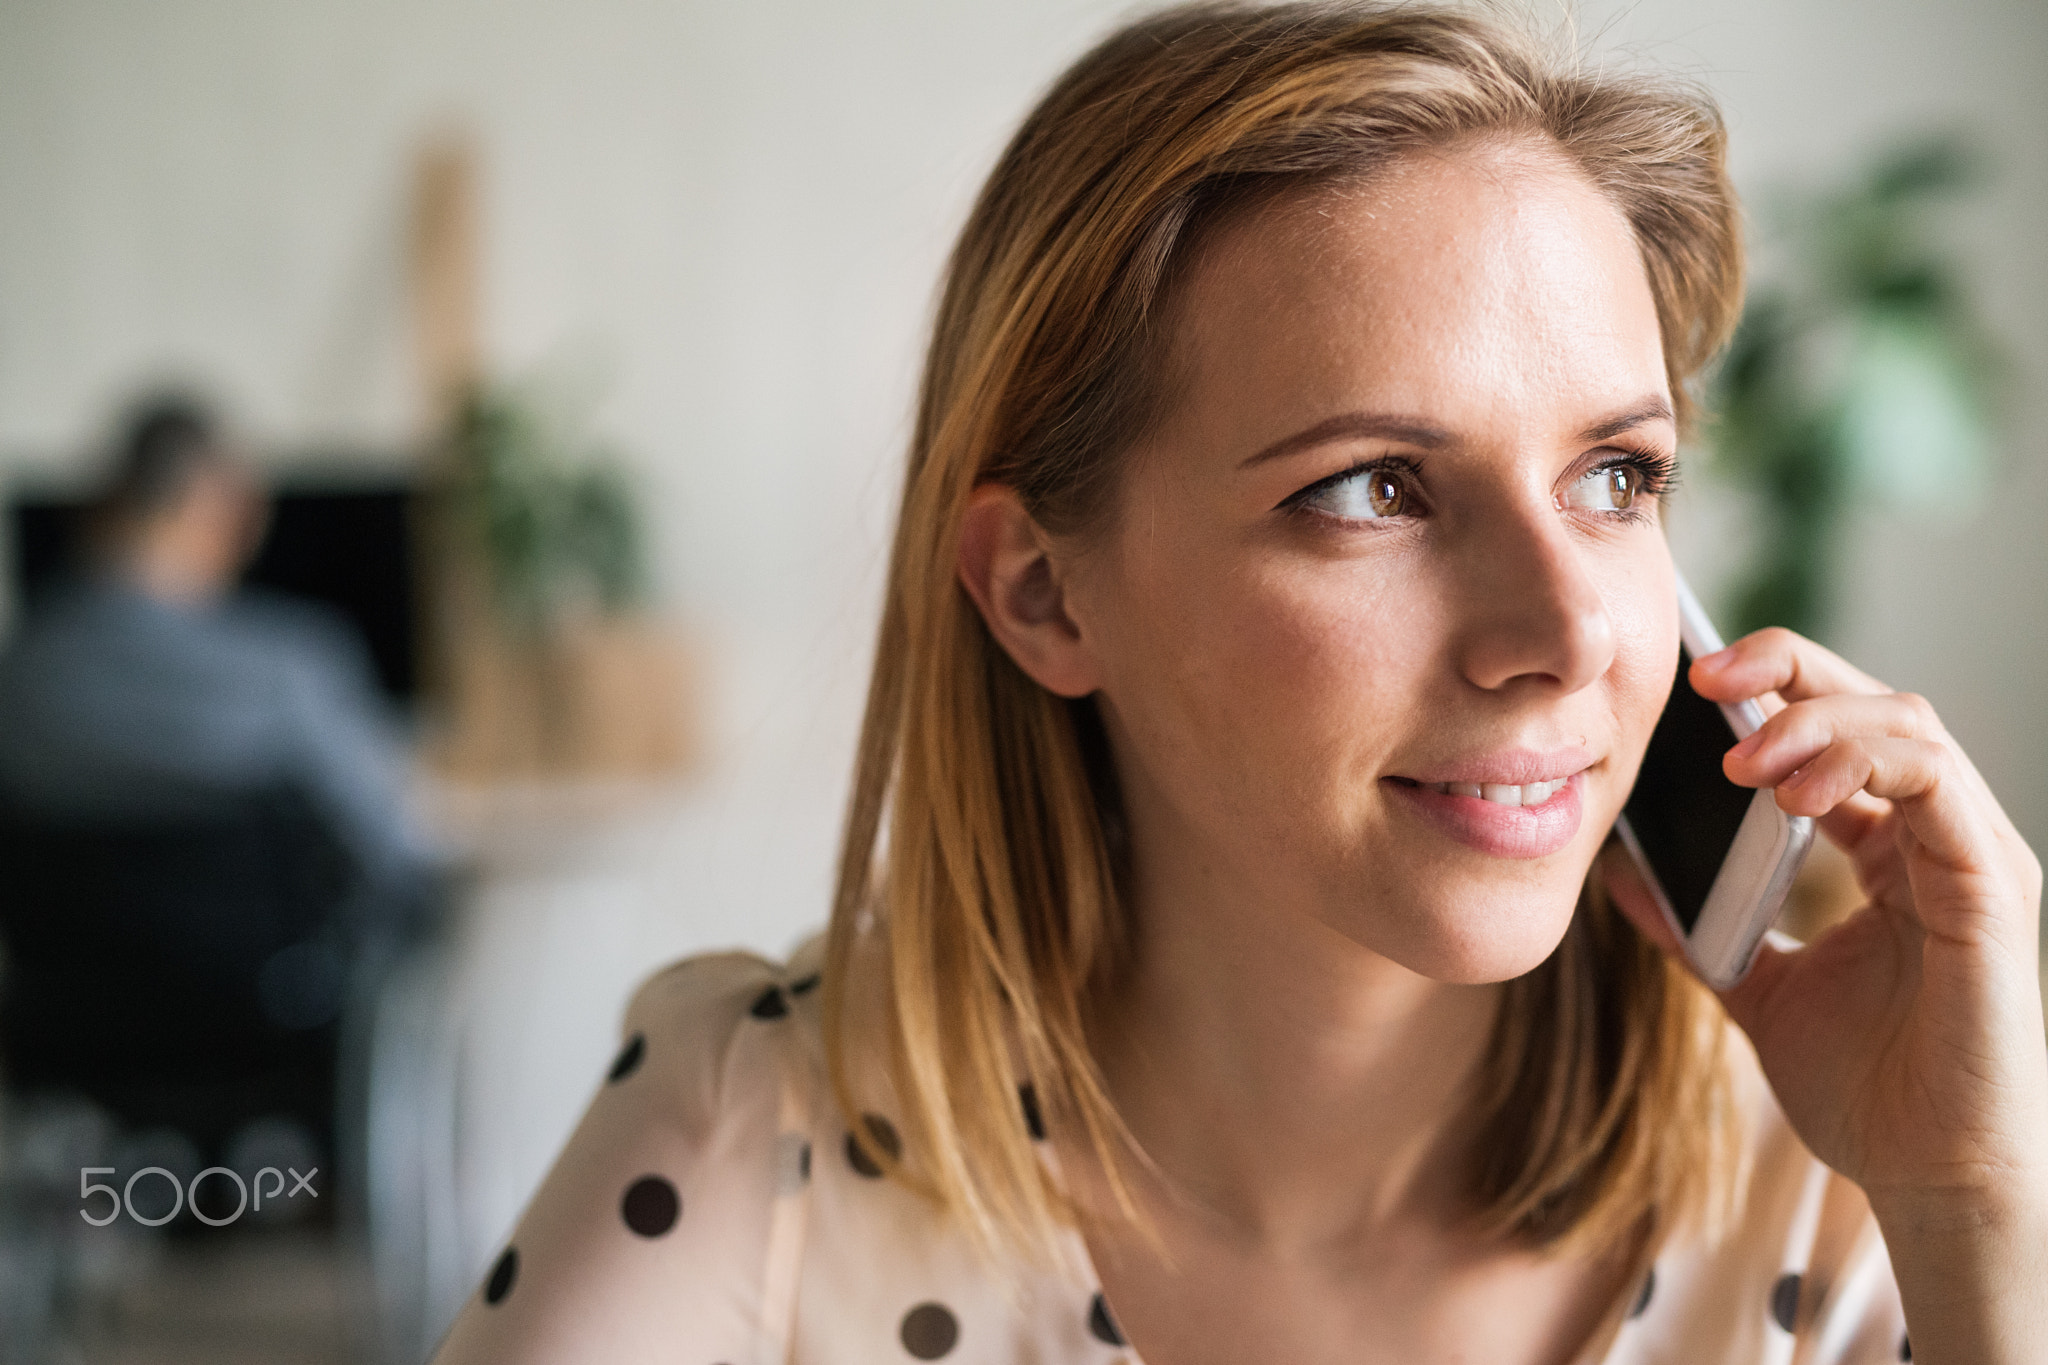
(348, 544)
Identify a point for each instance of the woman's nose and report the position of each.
(1533, 612)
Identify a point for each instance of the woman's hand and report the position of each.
(1905, 1044)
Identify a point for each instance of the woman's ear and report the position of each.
(1007, 568)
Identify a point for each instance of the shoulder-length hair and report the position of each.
(981, 859)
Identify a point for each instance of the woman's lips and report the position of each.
(1490, 827)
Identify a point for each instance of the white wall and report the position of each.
(727, 216)
(733, 214)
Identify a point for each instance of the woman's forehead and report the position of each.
(1465, 284)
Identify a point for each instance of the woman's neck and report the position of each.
(1293, 1088)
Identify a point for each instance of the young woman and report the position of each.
(1226, 966)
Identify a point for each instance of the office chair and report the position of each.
(187, 974)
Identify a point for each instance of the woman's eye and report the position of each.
(1367, 495)
(1610, 488)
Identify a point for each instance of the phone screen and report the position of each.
(1684, 811)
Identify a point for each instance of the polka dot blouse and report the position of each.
(713, 1209)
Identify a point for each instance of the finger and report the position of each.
(1797, 732)
(1789, 740)
(1854, 827)
(1921, 777)
(1777, 660)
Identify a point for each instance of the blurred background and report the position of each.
(540, 370)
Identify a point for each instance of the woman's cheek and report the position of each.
(1645, 614)
(1318, 678)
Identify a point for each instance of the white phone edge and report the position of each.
(1750, 888)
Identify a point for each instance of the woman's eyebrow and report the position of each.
(1414, 431)
(1651, 409)
(1350, 426)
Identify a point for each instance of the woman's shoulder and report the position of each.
(714, 1206)
(696, 1009)
(1798, 1271)
(710, 1043)
(662, 1221)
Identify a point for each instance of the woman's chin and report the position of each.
(1463, 966)
(1478, 943)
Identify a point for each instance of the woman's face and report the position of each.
(1397, 529)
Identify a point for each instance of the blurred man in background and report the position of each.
(152, 686)
(204, 841)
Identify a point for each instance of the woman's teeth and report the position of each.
(1528, 794)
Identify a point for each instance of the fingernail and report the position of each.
(1714, 662)
(1799, 777)
(1748, 744)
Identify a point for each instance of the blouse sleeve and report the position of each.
(1801, 1277)
(650, 1237)
(1856, 1317)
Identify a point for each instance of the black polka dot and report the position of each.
(929, 1331)
(1905, 1348)
(1102, 1326)
(1643, 1297)
(803, 1163)
(502, 1274)
(651, 1206)
(769, 1004)
(1785, 1300)
(804, 985)
(628, 1060)
(883, 1134)
(1034, 1120)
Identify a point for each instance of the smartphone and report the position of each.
(1718, 858)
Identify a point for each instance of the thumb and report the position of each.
(1747, 999)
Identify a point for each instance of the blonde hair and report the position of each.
(982, 859)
